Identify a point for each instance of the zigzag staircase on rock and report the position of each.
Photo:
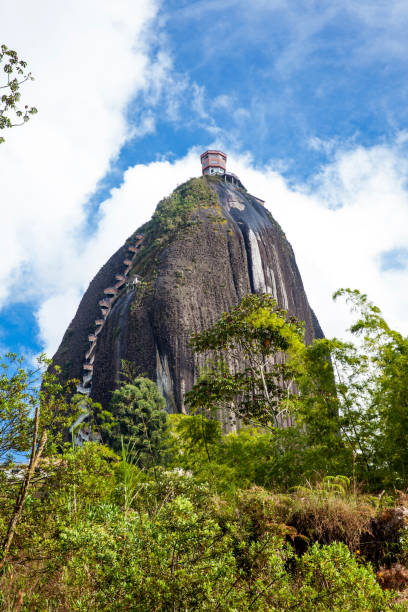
(105, 303)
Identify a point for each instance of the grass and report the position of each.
(323, 513)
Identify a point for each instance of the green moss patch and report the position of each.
(174, 217)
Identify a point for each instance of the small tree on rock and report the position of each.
(250, 374)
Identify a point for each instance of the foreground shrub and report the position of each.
(101, 534)
(330, 578)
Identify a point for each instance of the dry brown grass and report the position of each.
(394, 577)
(327, 514)
(324, 513)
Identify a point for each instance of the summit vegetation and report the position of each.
(174, 216)
(170, 513)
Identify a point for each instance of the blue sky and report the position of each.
(308, 98)
(272, 77)
(277, 75)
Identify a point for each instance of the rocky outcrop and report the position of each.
(206, 246)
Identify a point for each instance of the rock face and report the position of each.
(206, 246)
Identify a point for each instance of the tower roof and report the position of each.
(213, 152)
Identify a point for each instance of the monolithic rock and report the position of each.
(205, 247)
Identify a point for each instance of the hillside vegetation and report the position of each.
(171, 514)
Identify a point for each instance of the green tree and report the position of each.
(35, 412)
(380, 384)
(352, 409)
(11, 113)
(141, 421)
(15, 407)
(24, 393)
(227, 462)
(265, 339)
(330, 425)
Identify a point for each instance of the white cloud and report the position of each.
(89, 60)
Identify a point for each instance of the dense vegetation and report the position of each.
(171, 514)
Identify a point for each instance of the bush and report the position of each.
(173, 546)
(330, 578)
